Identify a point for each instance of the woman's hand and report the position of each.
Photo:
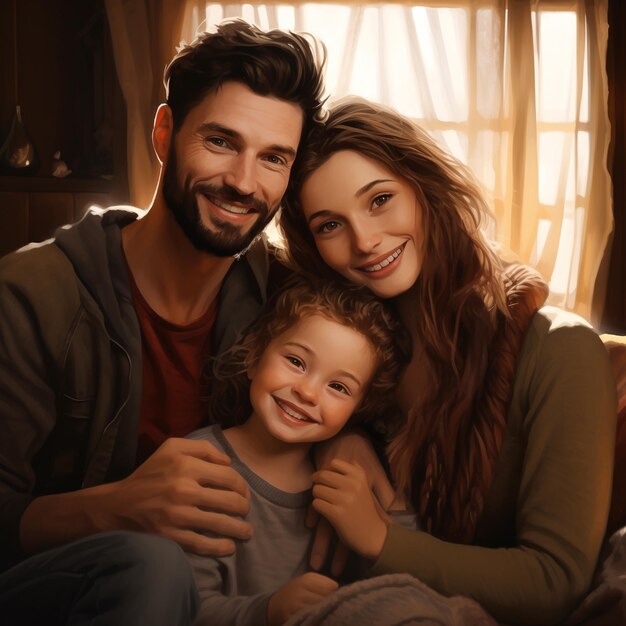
(298, 593)
(343, 496)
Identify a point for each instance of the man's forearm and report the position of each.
(57, 519)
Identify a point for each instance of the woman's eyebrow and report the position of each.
(317, 214)
(367, 187)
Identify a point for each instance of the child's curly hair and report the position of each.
(228, 400)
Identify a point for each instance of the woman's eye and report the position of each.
(381, 199)
(340, 388)
(328, 227)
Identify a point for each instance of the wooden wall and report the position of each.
(70, 101)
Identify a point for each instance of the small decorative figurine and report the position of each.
(59, 167)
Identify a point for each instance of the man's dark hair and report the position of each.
(275, 63)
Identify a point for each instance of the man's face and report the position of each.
(228, 166)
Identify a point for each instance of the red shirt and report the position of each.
(174, 358)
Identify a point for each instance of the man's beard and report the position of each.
(227, 240)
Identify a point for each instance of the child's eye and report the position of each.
(381, 199)
(340, 388)
(294, 360)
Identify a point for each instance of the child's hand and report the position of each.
(302, 591)
(352, 446)
(342, 495)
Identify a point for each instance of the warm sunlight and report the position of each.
(467, 75)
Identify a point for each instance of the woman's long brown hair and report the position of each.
(445, 453)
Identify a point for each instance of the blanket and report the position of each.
(401, 600)
(606, 602)
(391, 600)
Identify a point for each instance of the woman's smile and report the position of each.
(383, 265)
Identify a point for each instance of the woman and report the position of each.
(506, 452)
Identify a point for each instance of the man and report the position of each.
(104, 333)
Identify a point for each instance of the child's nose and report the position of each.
(306, 390)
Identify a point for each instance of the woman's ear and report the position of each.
(162, 132)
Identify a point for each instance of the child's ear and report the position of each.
(250, 367)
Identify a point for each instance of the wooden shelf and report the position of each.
(69, 184)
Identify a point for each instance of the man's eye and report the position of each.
(218, 142)
(275, 159)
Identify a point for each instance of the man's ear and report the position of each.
(162, 131)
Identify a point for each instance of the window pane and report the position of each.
(489, 57)
(556, 96)
(442, 47)
(582, 171)
(551, 154)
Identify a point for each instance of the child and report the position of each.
(323, 356)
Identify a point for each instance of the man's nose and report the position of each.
(242, 174)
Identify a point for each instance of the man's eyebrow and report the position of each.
(215, 127)
(358, 194)
(219, 128)
(287, 151)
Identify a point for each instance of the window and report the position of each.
(517, 93)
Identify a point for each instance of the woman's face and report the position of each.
(366, 222)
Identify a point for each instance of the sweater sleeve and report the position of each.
(566, 396)
(216, 607)
(27, 409)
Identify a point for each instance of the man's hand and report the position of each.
(353, 447)
(186, 488)
(300, 592)
(343, 496)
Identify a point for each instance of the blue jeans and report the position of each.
(115, 578)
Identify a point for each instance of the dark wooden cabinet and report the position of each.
(31, 209)
(56, 61)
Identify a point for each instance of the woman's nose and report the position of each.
(365, 239)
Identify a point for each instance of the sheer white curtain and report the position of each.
(144, 35)
(515, 88)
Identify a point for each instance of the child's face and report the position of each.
(310, 380)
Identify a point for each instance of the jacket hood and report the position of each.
(94, 247)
